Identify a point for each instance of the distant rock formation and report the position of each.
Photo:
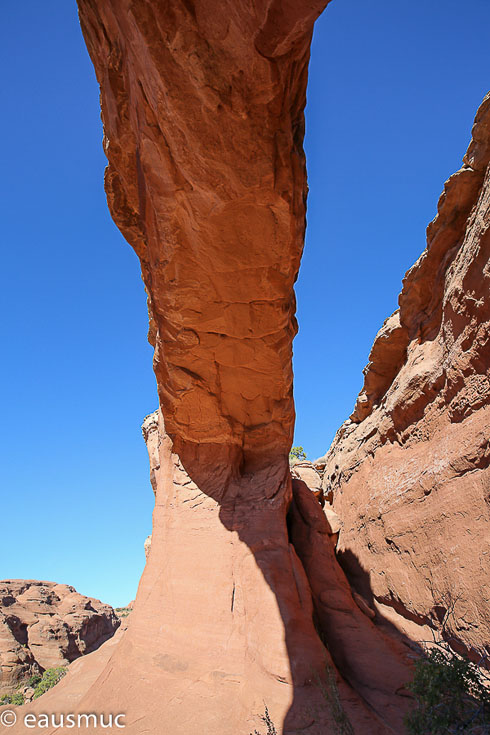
(45, 625)
(81, 674)
(409, 471)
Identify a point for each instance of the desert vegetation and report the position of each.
(297, 454)
(48, 680)
(15, 699)
(452, 694)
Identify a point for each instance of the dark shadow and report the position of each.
(254, 504)
(374, 662)
(359, 580)
(296, 558)
(440, 619)
(17, 628)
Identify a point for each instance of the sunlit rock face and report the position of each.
(45, 625)
(202, 105)
(223, 625)
(409, 471)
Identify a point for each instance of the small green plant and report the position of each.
(122, 612)
(331, 695)
(297, 453)
(452, 695)
(48, 680)
(15, 699)
(33, 680)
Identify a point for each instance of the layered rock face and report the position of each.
(44, 625)
(252, 591)
(202, 105)
(409, 471)
(222, 626)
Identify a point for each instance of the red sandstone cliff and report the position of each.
(45, 625)
(409, 471)
(203, 119)
(202, 105)
(223, 625)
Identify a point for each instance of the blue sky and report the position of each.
(393, 91)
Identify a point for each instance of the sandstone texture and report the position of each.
(409, 471)
(223, 623)
(374, 664)
(81, 674)
(202, 106)
(306, 471)
(44, 625)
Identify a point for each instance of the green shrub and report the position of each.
(33, 680)
(331, 695)
(48, 680)
(451, 694)
(15, 699)
(122, 612)
(297, 453)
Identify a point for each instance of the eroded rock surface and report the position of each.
(409, 471)
(305, 471)
(375, 664)
(223, 622)
(63, 698)
(44, 625)
(202, 105)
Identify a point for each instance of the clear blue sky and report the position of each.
(392, 95)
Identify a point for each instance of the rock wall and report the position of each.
(202, 105)
(231, 581)
(223, 625)
(44, 625)
(409, 471)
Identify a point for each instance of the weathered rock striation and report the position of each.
(248, 596)
(44, 625)
(197, 650)
(409, 471)
(202, 105)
